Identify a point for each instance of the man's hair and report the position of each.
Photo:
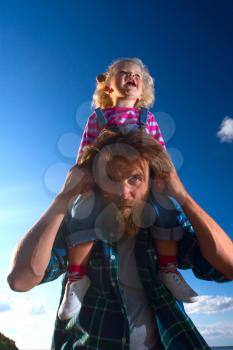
(133, 145)
(103, 100)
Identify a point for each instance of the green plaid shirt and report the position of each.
(102, 323)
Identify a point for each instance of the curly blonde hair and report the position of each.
(103, 100)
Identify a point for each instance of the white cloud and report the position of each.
(209, 304)
(225, 134)
(218, 333)
(223, 329)
(27, 320)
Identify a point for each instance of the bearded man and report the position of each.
(127, 306)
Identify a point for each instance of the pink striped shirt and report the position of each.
(118, 116)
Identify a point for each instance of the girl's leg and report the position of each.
(77, 260)
(78, 282)
(79, 254)
(166, 253)
(168, 248)
(79, 234)
(168, 273)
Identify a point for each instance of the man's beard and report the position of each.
(129, 215)
(114, 222)
(125, 218)
(121, 218)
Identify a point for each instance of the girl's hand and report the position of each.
(78, 181)
(171, 185)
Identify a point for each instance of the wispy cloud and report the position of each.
(22, 315)
(209, 304)
(4, 306)
(217, 329)
(217, 332)
(23, 304)
(225, 133)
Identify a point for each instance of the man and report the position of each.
(126, 306)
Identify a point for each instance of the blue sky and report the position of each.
(50, 54)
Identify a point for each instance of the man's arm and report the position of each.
(215, 245)
(32, 254)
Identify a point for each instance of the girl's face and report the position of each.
(127, 84)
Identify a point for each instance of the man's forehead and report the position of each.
(124, 167)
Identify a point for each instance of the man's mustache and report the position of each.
(126, 204)
(121, 203)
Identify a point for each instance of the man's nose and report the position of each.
(125, 192)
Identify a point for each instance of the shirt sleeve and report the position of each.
(167, 225)
(189, 255)
(154, 130)
(55, 268)
(58, 261)
(91, 131)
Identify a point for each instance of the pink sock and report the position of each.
(76, 272)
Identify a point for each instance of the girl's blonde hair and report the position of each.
(102, 99)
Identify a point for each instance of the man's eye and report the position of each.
(135, 179)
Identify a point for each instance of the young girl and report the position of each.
(122, 97)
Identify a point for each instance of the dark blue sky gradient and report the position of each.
(50, 54)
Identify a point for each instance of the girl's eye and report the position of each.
(136, 75)
(123, 72)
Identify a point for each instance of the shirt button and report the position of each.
(123, 340)
(113, 257)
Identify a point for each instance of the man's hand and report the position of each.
(171, 185)
(78, 181)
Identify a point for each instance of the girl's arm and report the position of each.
(91, 131)
(32, 254)
(154, 130)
